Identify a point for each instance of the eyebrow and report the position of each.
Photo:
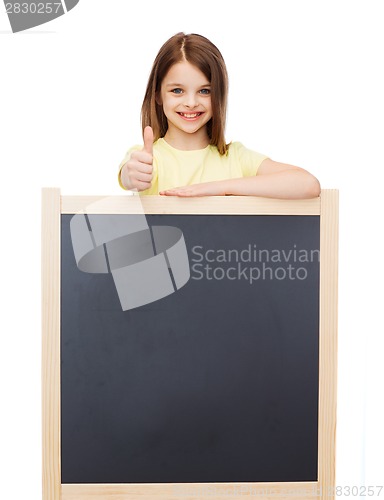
(182, 85)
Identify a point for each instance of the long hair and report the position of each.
(203, 54)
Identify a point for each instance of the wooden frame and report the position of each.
(53, 205)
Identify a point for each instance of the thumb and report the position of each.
(148, 140)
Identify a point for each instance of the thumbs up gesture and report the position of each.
(137, 172)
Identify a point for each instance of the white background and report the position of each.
(306, 87)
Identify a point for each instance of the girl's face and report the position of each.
(185, 95)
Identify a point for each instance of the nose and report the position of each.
(190, 100)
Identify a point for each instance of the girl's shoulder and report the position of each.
(236, 149)
(248, 159)
(239, 149)
(236, 146)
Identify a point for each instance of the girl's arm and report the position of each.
(276, 180)
(273, 180)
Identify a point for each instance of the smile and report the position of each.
(190, 116)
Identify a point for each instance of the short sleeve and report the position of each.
(249, 160)
(154, 185)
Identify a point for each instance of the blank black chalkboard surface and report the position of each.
(189, 347)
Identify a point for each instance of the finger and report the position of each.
(170, 192)
(143, 177)
(148, 140)
(142, 157)
(143, 185)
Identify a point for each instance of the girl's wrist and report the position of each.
(222, 187)
(225, 187)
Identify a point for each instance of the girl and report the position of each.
(183, 120)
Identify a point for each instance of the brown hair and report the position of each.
(203, 54)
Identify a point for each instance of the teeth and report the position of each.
(190, 115)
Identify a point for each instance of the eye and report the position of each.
(176, 91)
(205, 91)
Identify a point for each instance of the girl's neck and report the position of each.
(187, 142)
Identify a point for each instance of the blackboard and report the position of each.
(216, 382)
(219, 382)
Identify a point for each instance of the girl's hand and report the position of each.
(215, 188)
(137, 172)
